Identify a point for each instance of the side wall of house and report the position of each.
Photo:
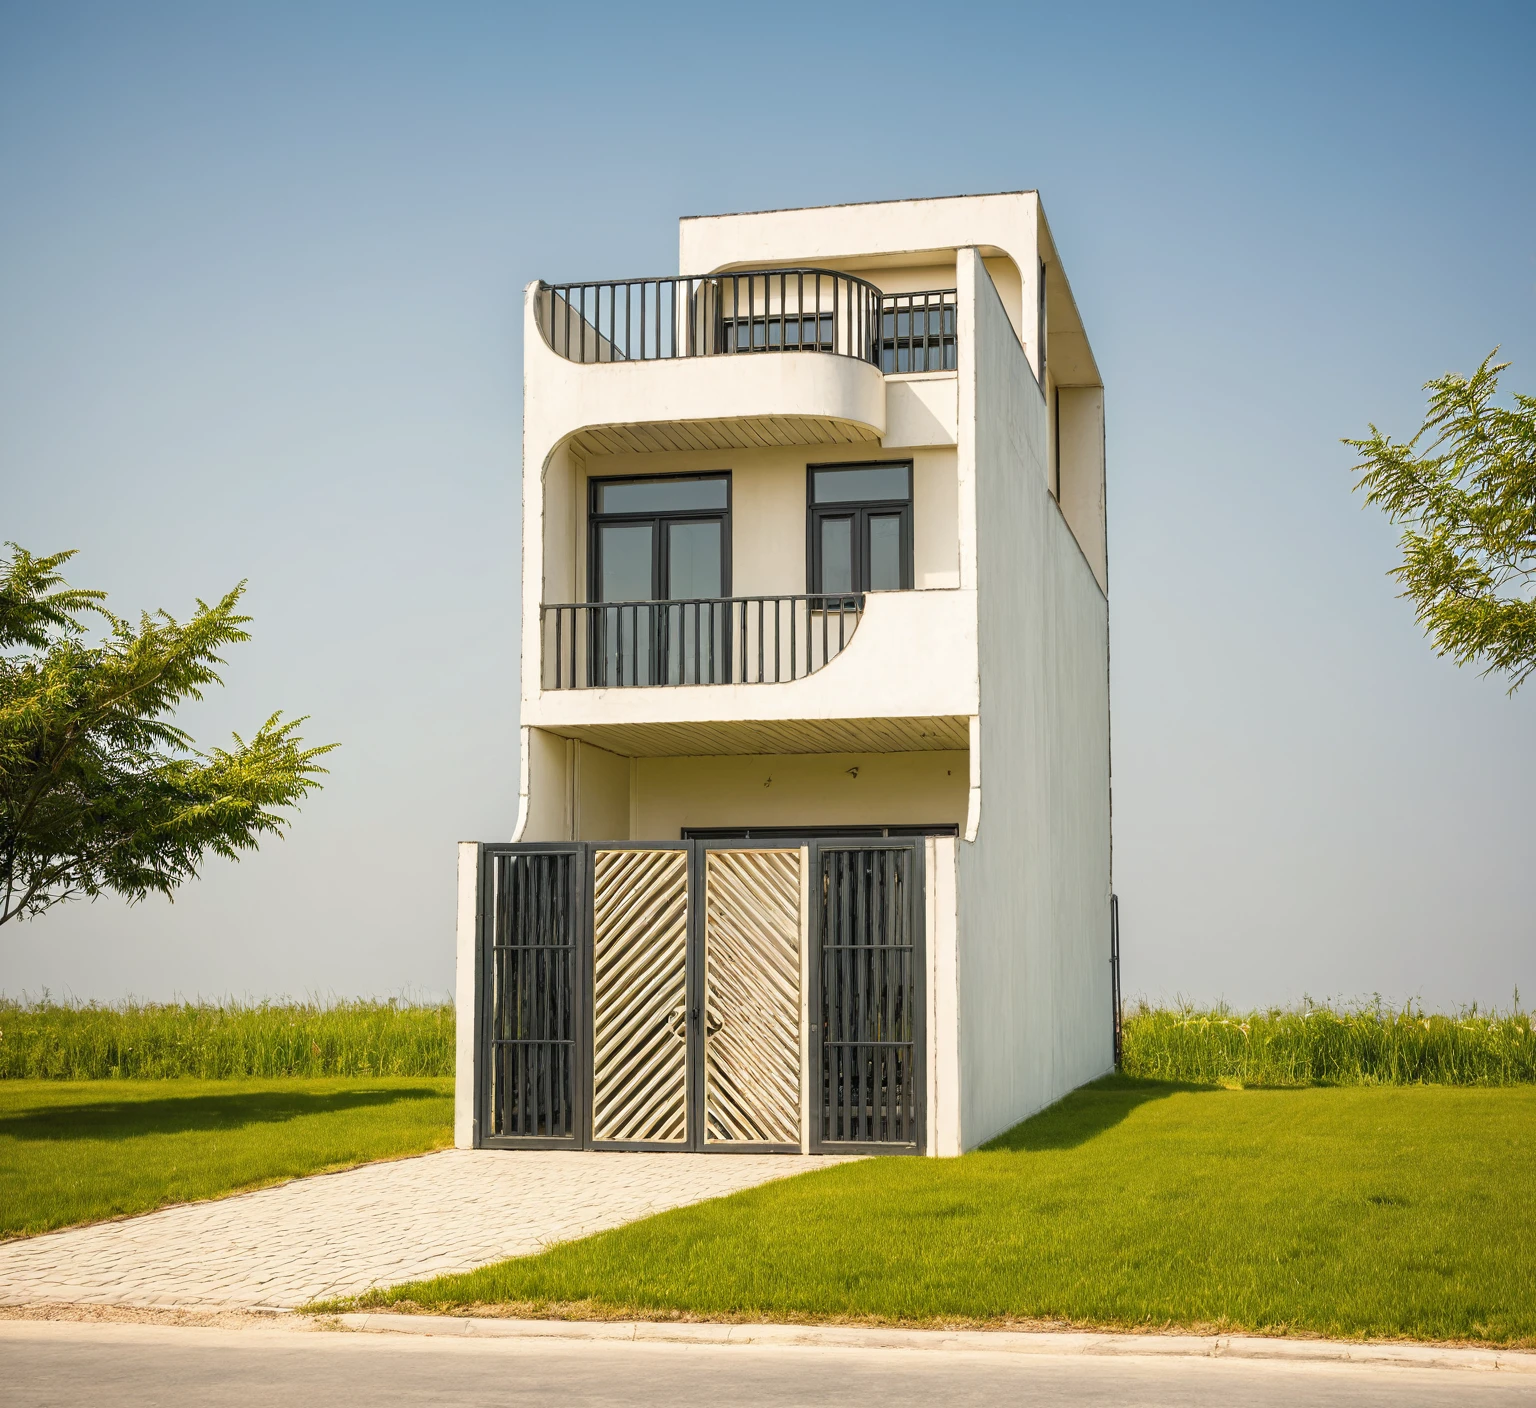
(1033, 961)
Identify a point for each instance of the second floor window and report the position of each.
(660, 539)
(859, 528)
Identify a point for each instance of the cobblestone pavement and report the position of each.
(339, 1234)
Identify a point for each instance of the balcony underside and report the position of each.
(722, 738)
(741, 433)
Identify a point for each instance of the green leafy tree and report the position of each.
(1465, 489)
(99, 790)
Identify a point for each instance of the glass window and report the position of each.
(885, 552)
(836, 555)
(846, 486)
(671, 495)
(693, 559)
(625, 562)
(860, 528)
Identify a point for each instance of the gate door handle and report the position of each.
(677, 1022)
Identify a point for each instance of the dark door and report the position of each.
(659, 550)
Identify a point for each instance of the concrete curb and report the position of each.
(1040, 1342)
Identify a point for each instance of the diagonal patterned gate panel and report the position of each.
(752, 997)
(640, 997)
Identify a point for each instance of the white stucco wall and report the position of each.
(1033, 977)
(464, 996)
(799, 789)
(942, 924)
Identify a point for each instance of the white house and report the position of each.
(813, 841)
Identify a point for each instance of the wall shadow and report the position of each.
(1087, 1112)
(110, 1118)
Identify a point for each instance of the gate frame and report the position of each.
(582, 1066)
(917, 910)
(581, 1059)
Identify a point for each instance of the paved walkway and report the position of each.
(339, 1234)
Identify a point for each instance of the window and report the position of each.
(775, 333)
(917, 331)
(859, 523)
(657, 541)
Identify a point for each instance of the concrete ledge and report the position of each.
(1039, 1342)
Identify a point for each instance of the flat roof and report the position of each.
(844, 204)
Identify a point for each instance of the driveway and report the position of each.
(338, 1234)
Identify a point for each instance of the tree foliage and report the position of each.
(99, 790)
(1465, 487)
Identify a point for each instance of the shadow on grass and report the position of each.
(131, 1119)
(1087, 1112)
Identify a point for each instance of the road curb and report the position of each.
(1039, 1342)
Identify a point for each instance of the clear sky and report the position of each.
(260, 274)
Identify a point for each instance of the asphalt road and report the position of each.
(71, 1363)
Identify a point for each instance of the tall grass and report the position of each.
(90, 1041)
(1369, 1044)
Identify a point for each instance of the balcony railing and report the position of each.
(713, 640)
(918, 332)
(776, 310)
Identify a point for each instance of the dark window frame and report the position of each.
(860, 511)
(658, 519)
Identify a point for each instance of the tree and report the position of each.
(99, 790)
(1468, 498)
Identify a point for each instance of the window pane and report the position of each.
(847, 486)
(836, 554)
(661, 495)
(625, 553)
(885, 552)
(693, 559)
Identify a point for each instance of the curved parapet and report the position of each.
(565, 397)
(914, 656)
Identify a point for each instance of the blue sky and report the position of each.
(260, 272)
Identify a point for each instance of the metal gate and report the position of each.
(751, 995)
(702, 995)
(868, 996)
(533, 1082)
(640, 1001)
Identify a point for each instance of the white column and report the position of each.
(464, 996)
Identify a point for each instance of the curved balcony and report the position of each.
(712, 640)
(663, 319)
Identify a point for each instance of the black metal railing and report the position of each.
(918, 332)
(775, 310)
(712, 640)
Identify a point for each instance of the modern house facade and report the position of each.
(813, 841)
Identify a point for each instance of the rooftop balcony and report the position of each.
(773, 310)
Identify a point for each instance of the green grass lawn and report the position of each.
(80, 1151)
(1381, 1212)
